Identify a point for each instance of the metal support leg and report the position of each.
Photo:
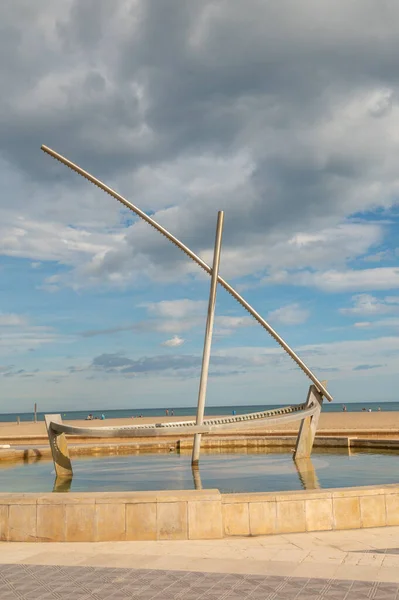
(208, 337)
(59, 448)
(308, 427)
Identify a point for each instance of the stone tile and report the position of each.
(79, 522)
(141, 521)
(319, 514)
(346, 513)
(309, 569)
(366, 490)
(388, 574)
(110, 522)
(51, 523)
(205, 520)
(291, 517)
(4, 522)
(374, 560)
(372, 511)
(22, 523)
(392, 509)
(11, 498)
(262, 518)
(55, 559)
(236, 519)
(366, 573)
(388, 588)
(186, 495)
(125, 497)
(388, 560)
(70, 498)
(172, 521)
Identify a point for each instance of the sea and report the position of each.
(188, 411)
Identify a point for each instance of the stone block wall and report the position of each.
(320, 510)
(195, 515)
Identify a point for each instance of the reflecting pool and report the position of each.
(228, 472)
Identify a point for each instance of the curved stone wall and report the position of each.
(195, 515)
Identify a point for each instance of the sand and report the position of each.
(336, 422)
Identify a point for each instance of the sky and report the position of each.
(283, 114)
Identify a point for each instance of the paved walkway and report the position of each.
(346, 565)
(81, 583)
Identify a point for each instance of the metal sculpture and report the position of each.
(307, 412)
(208, 338)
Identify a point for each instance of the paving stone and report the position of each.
(32, 582)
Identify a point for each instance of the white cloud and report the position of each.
(391, 322)
(12, 319)
(292, 314)
(174, 342)
(20, 340)
(19, 335)
(185, 314)
(177, 309)
(43, 240)
(227, 325)
(285, 115)
(186, 150)
(330, 359)
(382, 278)
(171, 316)
(366, 304)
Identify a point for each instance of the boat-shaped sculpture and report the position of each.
(307, 412)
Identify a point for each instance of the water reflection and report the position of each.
(304, 467)
(62, 485)
(229, 472)
(307, 473)
(196, 477)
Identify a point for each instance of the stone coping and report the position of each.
(105, 449)
(189, 514)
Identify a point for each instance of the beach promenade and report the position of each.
(340, 565)
(387, 422)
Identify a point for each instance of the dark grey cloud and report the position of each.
(366, 367)
(111, 361)
(326, 369)
(182, 363)
(12, 372)
(94, 332)
(298, 95)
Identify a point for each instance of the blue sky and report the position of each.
(285, 118)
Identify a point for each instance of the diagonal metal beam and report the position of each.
(196, 259)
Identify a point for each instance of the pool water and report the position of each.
(235, 472)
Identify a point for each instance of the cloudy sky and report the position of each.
(284, 114)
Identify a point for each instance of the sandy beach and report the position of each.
(337, 422)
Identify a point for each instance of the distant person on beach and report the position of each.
(344, 408)
(172, 413)
(166, 412)
(379, 409)
(89, 417)
(102, 417)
